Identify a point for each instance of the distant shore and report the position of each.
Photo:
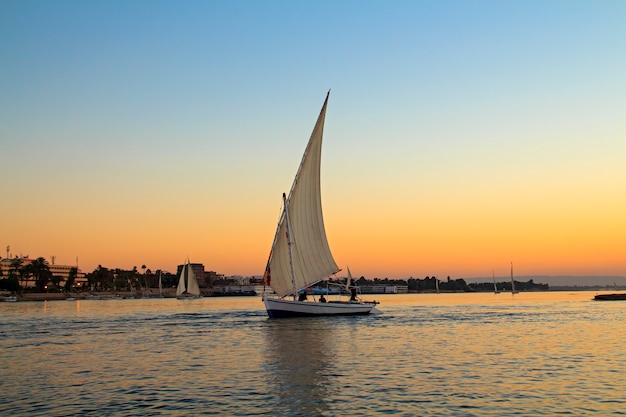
(171, 293)
(107, 295)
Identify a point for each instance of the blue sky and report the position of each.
(436, 107)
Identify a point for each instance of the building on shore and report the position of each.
(384, 289)
(62, 271)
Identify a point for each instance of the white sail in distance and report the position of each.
(192, 282)
(181, 281)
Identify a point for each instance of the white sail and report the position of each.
(348, 280)
(187, 283)
(181, 281)
(495, 286)
(513, 290)
(192, 283)
(303, 257)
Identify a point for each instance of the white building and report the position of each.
(62, 271)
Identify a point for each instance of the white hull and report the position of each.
(278, 307)
(187, 296)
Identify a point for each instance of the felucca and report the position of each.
(300, 256)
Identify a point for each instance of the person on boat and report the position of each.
(352, 294)
(302, 296)
(322, 299)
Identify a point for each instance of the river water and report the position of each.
(531, 354)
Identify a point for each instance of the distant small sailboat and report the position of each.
(132, 291)
(187, 284)
(437, 284)
(513, 290)
(495, 287)
(160, 286)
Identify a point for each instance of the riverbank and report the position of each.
(120, 295)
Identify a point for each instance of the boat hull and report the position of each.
(187, 297)
(280, 308)
(610, 297)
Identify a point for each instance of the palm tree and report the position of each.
(56, 280)
(145, 279)
(71, 277)
(16, 270)
(41, 272)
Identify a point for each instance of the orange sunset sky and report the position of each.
(460, 136)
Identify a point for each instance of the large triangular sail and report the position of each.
(309, 260)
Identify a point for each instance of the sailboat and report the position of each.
(300, 256)
(187, 284)
(495, 287)
(513, 290)
(160, 286)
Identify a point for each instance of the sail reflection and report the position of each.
(299, 365)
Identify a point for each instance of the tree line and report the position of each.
(38, 271)
(101, 279)
(457, 285)
(117, 279)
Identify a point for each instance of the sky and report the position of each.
(460, 136)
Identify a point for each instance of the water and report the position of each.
(532, 354)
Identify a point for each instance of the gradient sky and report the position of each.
(460, 135)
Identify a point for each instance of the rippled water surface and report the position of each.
(532, 354)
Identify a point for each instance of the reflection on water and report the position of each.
(299, 362)
(430, 355)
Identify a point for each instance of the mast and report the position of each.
(293, 274)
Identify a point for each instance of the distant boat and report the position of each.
(437, 284)
(132, 292)
(187, 284)
(10, 298)
(610, 297)
(300, 256)
(513, 290)
(495, 287)
(148, 292)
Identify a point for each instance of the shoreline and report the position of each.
(171, 293)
